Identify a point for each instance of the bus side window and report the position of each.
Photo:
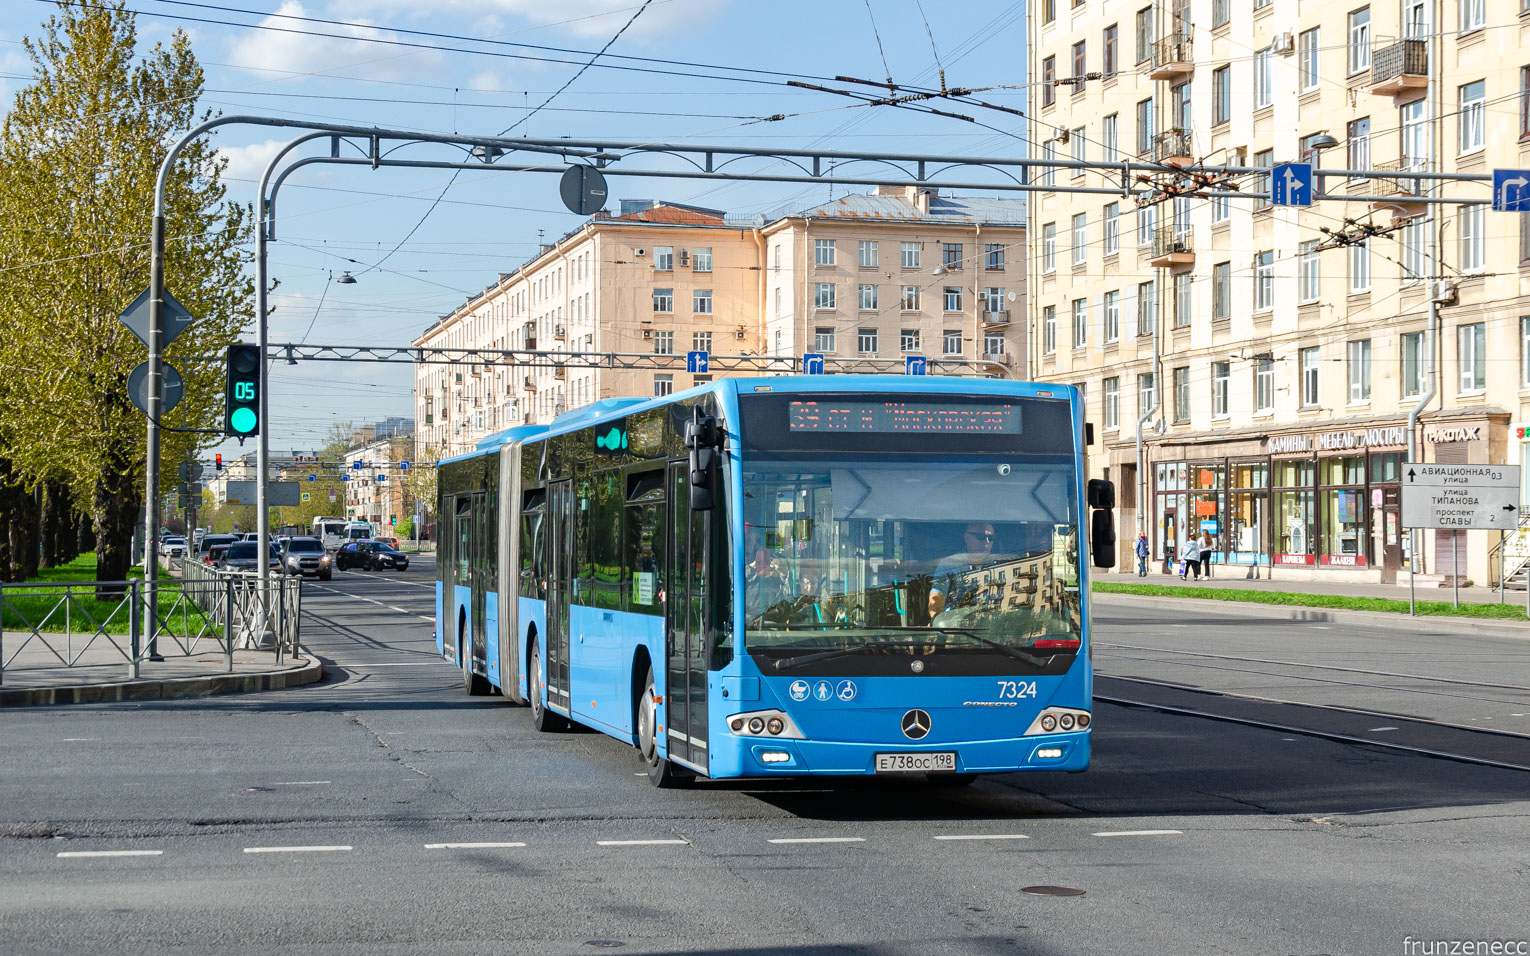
(644, 558)
(720, 554)
(533, 552)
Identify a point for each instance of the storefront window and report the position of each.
(1343, 528)
(1349, 470)
(1206, 482)
(1386, 467)
(1242, 539)
(1295, 511)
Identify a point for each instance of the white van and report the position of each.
(331, 531)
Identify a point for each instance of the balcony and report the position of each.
(1003, 358)
(1172, 147)
(1401, 69)
(996, 317)
(1172, 58)
(1408, 193)
(1172, 249)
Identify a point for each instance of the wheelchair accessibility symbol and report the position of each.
(846, 690)
(798, 690)
(823, 690)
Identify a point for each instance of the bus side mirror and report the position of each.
(701, 444)
(1102, 523)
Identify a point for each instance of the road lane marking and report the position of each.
(77, 854)
(1115, 833)
(985, 836)
(643, 842)
(399, 609)
(295, 849)
(300, 783)
(1377, 730)
(470, 846)
(820, 840)
(72, 740)
(424, 618)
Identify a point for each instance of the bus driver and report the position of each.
(955, 585)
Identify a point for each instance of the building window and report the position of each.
(868, 298)
(910, 298)
(1524, 102)
(664, 300)
(701, 341)
(1473, 109)
(1359, 268)
(823, 295)
(1473, 244)
(1471, 344)
(993, 344)
(1080, 323)
(1145, 128)
(1307, 276)
(909, 254)
(1048, 11)
(1264, 159)
(1048, 81)
(1049, 247)
(1415, 249)
(823, 252)
(1264, 281)
(1080, 238)
(1112, 309)
(1048, 329)
(1221, 291)
(1147, 395)
(1358, 360)
(1221, 372)
(1079, 143)
(1357, 138)
(951, 342)
(1473, 15)
(951, 256)
(1182, 300)
(1112, 229)
(1307, 59)
(663, 385)
(1263, 95)
(867, 250)
(1110, 136)
(1078, 65)
(776, 256)
(1182, 394)
(664, 343)
(908, 340)
(701, 259)
(1359, 48)
(1147, 307)
(1108, 65)
(1144, 38)
(1221, 209)
(664, 258)
(823, 339)
(1048, 176)
(1221, 95)
(952, 298)
(1219, 13)
(701, 301)
(1309, 364)
(778, 301)
(993, 300)
(1524, 351)
(1147, 222)
(1112, 395)
(1412, 364)
(866, 341)
(1264, 384)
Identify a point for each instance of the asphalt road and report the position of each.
(381, 811)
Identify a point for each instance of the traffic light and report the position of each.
(217, 462)
(241, 413)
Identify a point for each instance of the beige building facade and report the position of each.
(877, 276)
(1268, 370)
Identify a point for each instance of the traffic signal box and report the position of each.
(241, 415)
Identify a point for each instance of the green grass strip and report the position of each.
(25, 609)
(1513, 611)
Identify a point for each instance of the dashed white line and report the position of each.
(1318, 627)
(1377, 730)
(399, 609)
(820, 840)
(296, 849)
(424, 618)
(1116, 833)
(73, 740)
(984, 836)
(471, 846)
(300, 783)
(643, 842)
(78, 854)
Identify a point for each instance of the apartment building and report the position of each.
(1267, 371)
(374, 478)
(897, 272)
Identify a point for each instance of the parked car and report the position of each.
(306, 556)
(241, 556)
(173, 546)
(371, 555)
(390, 542)
(204, 550)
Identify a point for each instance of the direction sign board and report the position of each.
(1460, 497)
(278, 493)
(1291, 184)
(169, 393)
(915, 365)
(189, 470)
(696, 361)
(136, 318)
(1511, 190)
(812, 363)
(583, 189)
(313, 477)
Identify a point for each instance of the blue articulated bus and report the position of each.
(788, 576)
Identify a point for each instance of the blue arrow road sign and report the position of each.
(313, 477)
(914, 365)
(696, 362)
(1511, 190)
(812, 363)
(1291, 184)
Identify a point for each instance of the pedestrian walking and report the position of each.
(1206, 548)
(1140, 549)
(1190, 558)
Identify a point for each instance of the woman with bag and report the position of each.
(1190, 558)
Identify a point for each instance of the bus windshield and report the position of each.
(867, 554)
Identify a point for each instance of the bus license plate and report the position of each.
(944, 761)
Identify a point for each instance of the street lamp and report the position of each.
(487, 154)
(346, 279)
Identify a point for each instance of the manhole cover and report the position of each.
(604, 943)
(1052, 890)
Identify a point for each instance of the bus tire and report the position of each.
(951, 780)
(474, 685)
(661, 773)
(542, 719)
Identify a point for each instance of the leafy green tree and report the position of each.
(420, 484)
(79, 156)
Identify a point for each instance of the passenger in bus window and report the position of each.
(764, 585)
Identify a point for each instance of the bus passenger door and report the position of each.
(480, 578)
(464, 612)
(686, 616)
(560, 537)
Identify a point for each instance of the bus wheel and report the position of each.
(661, 773)
(541, 718)
(950, 779)
(474, 685)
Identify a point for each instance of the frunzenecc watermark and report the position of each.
(1465, 947)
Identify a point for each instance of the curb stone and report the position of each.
(172, 689)
(1323, 615)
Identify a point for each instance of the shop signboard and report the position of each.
(1342, 561)
(1460, 497)
(1293, 559)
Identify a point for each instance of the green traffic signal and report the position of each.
(241, 415)
(243, 421)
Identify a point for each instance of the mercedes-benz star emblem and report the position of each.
(916, 724)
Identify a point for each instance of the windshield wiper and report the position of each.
(788, 662)
(1017, 654)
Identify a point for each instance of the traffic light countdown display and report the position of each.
(241, 414)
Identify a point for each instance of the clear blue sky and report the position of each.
(488, 223)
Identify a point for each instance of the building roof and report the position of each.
(673, 213)
(962, 210)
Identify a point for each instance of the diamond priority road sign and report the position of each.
(1460, 497)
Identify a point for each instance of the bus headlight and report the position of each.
(757, 723)
(1064, 719)
(775, 725)
(1048, 723)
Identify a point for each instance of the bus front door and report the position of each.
(687, 618)
(560, 536)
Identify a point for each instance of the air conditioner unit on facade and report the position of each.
(685, 258)
(1283, 44)
(648, 333)
(1445, 292)
(640, 252)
